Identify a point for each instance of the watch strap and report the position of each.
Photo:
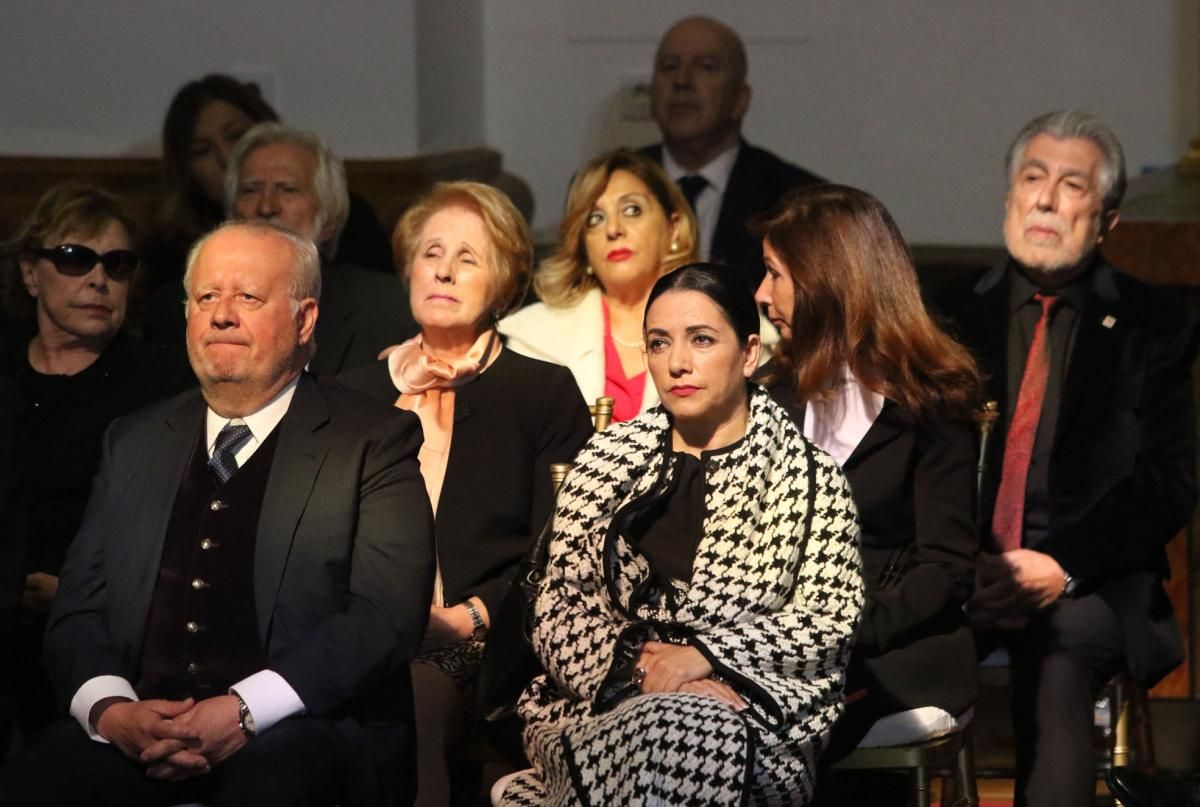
(479, 627)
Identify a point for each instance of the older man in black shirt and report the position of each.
(1092, 372)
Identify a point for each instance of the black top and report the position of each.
(510, 424)
(58, 423)
(668, 532)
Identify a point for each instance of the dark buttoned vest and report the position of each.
(202, 630)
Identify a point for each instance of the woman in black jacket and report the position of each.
(494, 422)
(70, 369)
(871, 379)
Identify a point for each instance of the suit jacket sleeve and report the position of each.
(78, 645)
(390, 581)
(938, 576)
(1129, 522)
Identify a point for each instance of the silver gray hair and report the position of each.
(306, 262)
(329, 180)
(1072, 123)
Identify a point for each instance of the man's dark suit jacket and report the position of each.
(510, 424)
(912, 484)
(343, 567)
(1122, 468)
(362, 312)
(758, 181)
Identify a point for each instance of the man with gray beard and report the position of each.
(1094, 451)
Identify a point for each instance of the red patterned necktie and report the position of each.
(1009, 515)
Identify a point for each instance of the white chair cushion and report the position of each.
(915, 726)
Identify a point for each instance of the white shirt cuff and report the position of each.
(268, 697)
(92, 692)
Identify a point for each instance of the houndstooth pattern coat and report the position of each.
(773, 603)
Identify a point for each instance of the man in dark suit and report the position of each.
(699, 97)
(1096, 449)
(234, 621)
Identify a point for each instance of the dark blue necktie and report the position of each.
(230, 439)
(692, 186)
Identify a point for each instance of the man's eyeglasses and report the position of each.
(76, 260)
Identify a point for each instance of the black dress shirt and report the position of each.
(1024, 313)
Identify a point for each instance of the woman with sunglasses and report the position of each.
(72, 372)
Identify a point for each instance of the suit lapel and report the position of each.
(1097, 338)
(162, 473)
(739, 197)
(582, 330)
(887, 427)
(985, 332)
(299, 455)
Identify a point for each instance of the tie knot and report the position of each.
(1048, 302)
(691, 186)
(230, 437)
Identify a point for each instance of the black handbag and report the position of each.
(509, 661)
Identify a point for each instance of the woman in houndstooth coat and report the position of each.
(702, 588)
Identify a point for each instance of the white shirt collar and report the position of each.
(838, 424)
(261, 423)
(716, 171)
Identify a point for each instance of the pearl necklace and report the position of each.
(639, 345)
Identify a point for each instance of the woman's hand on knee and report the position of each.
(669, 666)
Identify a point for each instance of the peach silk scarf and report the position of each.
(426, 384)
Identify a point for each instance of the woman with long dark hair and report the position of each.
(870, 377)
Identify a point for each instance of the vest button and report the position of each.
(193, 668)
(192, 627)
(207, 543)
(198, 584)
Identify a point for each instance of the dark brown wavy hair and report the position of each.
(186, 211)
(858, 305)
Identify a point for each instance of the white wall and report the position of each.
(95, 78)
(450, 101)
(914, 100)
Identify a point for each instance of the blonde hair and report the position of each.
(511, 248)
(563, 278)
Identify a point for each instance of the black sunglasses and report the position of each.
(76, 260)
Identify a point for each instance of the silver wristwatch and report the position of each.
(1069, 584)
(245, 719)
